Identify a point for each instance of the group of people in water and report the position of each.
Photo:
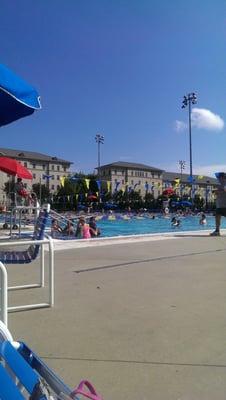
(176, 222)
(82, 230)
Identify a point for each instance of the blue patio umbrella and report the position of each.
(185, 203)
(17, 98)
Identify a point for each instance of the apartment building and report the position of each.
(147, 179)
(126, 176)
(45, 169)
(202, 185)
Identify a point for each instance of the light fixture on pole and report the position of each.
(190, 99)
(182, 167)
(100, 140)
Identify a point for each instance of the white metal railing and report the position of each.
(4, 288)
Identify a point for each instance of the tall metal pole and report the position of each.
(182, 166)
(98, 146)
(100, 140)
(190, 99)
(190, 139)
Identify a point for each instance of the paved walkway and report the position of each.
(143, 320)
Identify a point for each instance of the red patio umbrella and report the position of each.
(168, 192)
(92, 197)
(13, 167)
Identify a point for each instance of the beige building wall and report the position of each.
(133, 177)
(38, 168)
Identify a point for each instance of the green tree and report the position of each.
(43, 190)
(198, 202)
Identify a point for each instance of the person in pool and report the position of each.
(69, 229)
(94, 230)
(202, 220)
(83, 229)
(55, 228)
(175, 222)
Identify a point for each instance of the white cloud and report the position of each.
(205, 170)
(209, 170)
(206, 119)
(202, 119)
(180, 126)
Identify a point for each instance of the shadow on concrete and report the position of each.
(126, 264)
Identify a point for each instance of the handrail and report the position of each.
(60, 217)
(20, 209)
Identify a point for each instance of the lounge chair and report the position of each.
(23, 375)
(24, 257)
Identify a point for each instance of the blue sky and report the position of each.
(120, 68)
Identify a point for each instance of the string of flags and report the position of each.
(119, 186)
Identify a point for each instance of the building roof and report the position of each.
(31, 155)
(124, 164)
(171, 176)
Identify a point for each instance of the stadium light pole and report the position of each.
(182, 167)
(188, 100)
(100, 140)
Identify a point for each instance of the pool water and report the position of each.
(134, 226)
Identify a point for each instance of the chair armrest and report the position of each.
(24, 242)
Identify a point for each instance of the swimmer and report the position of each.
(69, 228)
(83, 229)
(202, 220)
(55, 228)
(166, 210)
(175, 222)
(94, 231)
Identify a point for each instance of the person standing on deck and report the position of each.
(220, 202)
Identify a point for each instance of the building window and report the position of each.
(25, 164)
(53, 177)
(131, 173)
(58, 168)
(34, 176)
(58, 177)
(33, 166)
(123, 181)
(44, 166)
(53, 167)
(58, 187)
(109, 172)
(115, 172)
(131, 181)
(65, 169)
(52, 187)
(146, 174)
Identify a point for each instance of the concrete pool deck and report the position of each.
(140, 319)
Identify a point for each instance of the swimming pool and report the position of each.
(135, 226)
